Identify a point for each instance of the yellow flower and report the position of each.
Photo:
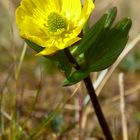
(52, 24)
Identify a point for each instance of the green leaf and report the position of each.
(63, 63)
(75, 77)
(108, 47)
(104, 52)
(111, 15)
(86, 28)
(59, 57)
(96, 30)
(34, 46)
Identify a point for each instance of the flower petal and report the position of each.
(48, 51)
(37, 9)
(43, 5)
(72, 41)
(87, 9)
(67, 42)
(71, 9)
(32, 31)
(32, 18)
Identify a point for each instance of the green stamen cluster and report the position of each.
(56, 22)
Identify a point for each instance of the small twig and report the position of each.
(85, 115)
(21, 61)
(132, 91)
(122, 107)
(115, 129)
(73, 93)
(128, 92)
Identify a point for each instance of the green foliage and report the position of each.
(49, 66)
(75, 77)
(96, 30)
(108, 47)
(63, 63)
(34, 46)
(59, 58)
(101, 46)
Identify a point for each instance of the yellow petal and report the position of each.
(32, 21)
(41, 5)
(31, 31)
(37, 9)
(48, 51)
(20, 15)
(72, 41)
(87, 8)
(71, 9)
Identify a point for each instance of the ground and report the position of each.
(31, 89)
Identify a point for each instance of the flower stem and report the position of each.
(93, 98)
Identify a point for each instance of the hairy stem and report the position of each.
(93, 98)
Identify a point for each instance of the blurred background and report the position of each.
(31, 90)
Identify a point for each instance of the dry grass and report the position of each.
(29, 93)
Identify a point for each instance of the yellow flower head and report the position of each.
(52, 24)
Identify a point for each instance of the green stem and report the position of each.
(93, 98)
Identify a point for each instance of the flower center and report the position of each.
(56, 23)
